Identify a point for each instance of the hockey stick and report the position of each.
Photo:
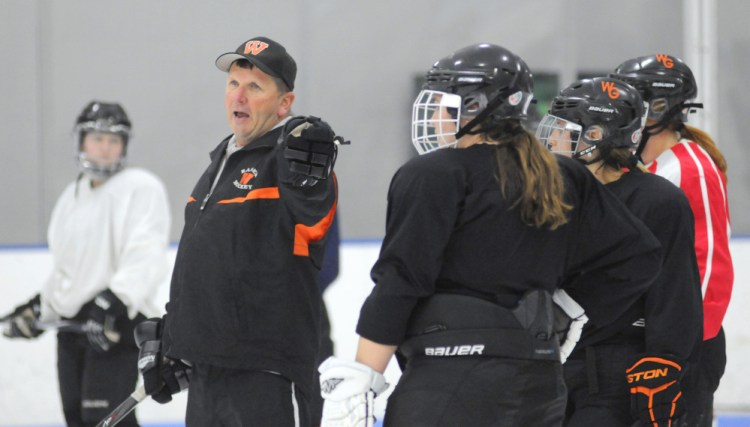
(124, 408)
(60, 325)
(63, 326)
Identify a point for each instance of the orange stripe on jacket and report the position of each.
(260, 193)
(304, 234)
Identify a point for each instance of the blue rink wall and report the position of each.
(28, 380)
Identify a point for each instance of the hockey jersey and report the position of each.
(113, 236)
(689, 166)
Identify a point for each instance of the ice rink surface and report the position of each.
(28, 381)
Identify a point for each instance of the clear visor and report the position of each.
(435, 120)
(96, 170)
(100, 163)
(559, 135)
(657, 107)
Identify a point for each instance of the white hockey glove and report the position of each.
(349, 389)
(569, 321)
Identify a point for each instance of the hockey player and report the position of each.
(477, 240)
(689, 158)
(599, 123)
(244, 306)
(108, 237)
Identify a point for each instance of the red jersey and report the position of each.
(688, 166)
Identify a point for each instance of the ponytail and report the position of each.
(707, 143)
(530, 171)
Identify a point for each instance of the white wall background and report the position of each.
(358, 61)
(28, 379)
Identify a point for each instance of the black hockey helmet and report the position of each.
(603, 113)
(493, 82)
(666, 83)
(103, 117)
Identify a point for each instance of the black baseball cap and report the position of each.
(265, 54)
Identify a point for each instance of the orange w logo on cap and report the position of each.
(255, 47)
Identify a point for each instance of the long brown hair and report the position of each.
(529, 170)
(707, 143)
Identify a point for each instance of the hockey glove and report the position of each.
(569, 322)
(22, 321)
(104, 311)
(162, 376)
(655, 395)
(349, 389)
(311, 147)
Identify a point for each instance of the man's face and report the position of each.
(253, 103)
(103, 149)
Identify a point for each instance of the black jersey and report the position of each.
(449, 225)
(672, 308)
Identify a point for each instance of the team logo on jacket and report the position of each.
(247, 175)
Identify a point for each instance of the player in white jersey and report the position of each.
(689, 158)
(108, 237)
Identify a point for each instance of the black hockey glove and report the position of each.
(655, 394)
(22, 321)
(311, 147)
(162, 376)
(103, 313)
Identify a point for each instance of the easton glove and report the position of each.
(22, 321)
(569, 318)
(162, 376)
(311, 147)
(655, 394)
(349, 389)
(104, 311)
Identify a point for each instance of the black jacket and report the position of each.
(448, 223)
(244, 290)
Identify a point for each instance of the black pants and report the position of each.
(598, 394)
(92, 383)
(703, 382)
(477, 391)
(222, 397)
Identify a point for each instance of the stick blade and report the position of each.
(124, 408)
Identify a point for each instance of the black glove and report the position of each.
(162, 376)
(103, 313)
(655, 394)
(22, 321)
(311, 147)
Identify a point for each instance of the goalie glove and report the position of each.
(22, 321)
(311, 148)
(349, 389)
(655, 394)
(570, 319)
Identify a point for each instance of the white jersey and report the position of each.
(113, 236)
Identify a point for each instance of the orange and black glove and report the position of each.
(655, 394)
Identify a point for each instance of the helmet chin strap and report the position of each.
(659, 126)
(579, 156)
(491, 106)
